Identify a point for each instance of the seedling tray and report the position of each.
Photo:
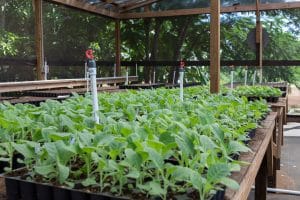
(142, 86)
(268, 99)
(17, 188)
(15, 163)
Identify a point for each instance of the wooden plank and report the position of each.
(258, 145)
(118, 47)
(39, 46)
(81, 5)
(62, 83)
(198, 11)
(215, 46)
(138, 5)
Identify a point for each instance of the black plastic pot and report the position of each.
(15, 163)
(220, 195)
(99, 197)
(27, 190)
(61, 193)
(12, 189)
(79, 195)
(43, 192)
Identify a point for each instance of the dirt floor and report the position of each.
(289, 176)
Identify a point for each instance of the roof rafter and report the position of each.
(87, 7)
(138, 5)
(196, 11)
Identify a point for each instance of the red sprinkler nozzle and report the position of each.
(182, 64)
(89, 54)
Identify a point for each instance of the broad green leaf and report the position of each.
(236, 147)
(63, 172)
(217, 171)
(232, 184)
(156, 158)
(44, 170)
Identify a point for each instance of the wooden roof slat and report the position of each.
(196, 11)
(138, 5)
(87, 7)
(99, 8)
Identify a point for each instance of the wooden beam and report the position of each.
(39, 46)
(86, 7)
(197, 11)
(259, 42)
(118, 47)
(59, 83)
(215, 46)
(138, 5)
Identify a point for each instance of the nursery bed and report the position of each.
(261, 163)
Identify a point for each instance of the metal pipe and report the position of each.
(126, 82)
(154, 74)
(93, 78)
(283, 191)
(46, 70)
(181, 74)
(246, 76)
(254, 78)
(136, 69)
(93, 73)
(231, 85)
(260, 75)
(86, 76)
(174, 75)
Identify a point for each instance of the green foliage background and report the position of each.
(68, 33)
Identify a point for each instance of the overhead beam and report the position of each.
(197, 11)
(86, 7)
(215, 64)
(39, 42)
(138, 5)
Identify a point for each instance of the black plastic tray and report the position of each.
(17, 188)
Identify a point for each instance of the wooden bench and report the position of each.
(261, 163)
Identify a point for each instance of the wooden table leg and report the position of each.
(261, 181)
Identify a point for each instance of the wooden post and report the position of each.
(261, 181)
(259, 43)
(118, 47)
(214, 46)
(39, 43)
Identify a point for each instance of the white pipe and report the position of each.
(46, 70)
(154, 73)
(181, 74)
(283, 191)
(136, 70)
(86, 76)
(174, 75)
(93, 73)
(231, 85)
(254, 77)
(126, 82)
(246, 76)
(115, 70)
(260, 75)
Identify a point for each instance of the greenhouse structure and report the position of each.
(149, 99)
